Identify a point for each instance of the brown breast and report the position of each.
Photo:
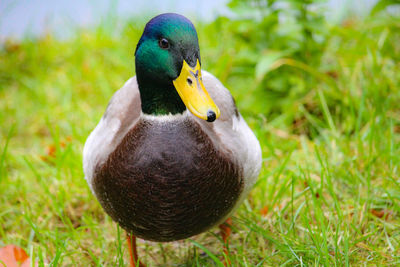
(166, 181)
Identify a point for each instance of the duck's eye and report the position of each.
(163, 43)
(189, 81)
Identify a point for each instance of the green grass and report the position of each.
(329, 187)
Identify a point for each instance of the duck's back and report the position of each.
(166, 181)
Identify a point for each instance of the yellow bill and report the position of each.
(190, 87)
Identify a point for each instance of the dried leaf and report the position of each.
(381, 213)
(264, 211)
(13, 256)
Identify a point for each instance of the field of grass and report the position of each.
(324, 103)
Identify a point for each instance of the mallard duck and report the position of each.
(171, 157)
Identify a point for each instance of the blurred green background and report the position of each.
(320, 91)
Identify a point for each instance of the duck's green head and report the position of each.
(167, 60)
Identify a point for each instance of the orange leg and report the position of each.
(225, 233)
(133, 251)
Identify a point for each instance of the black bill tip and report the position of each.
(211, 116)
